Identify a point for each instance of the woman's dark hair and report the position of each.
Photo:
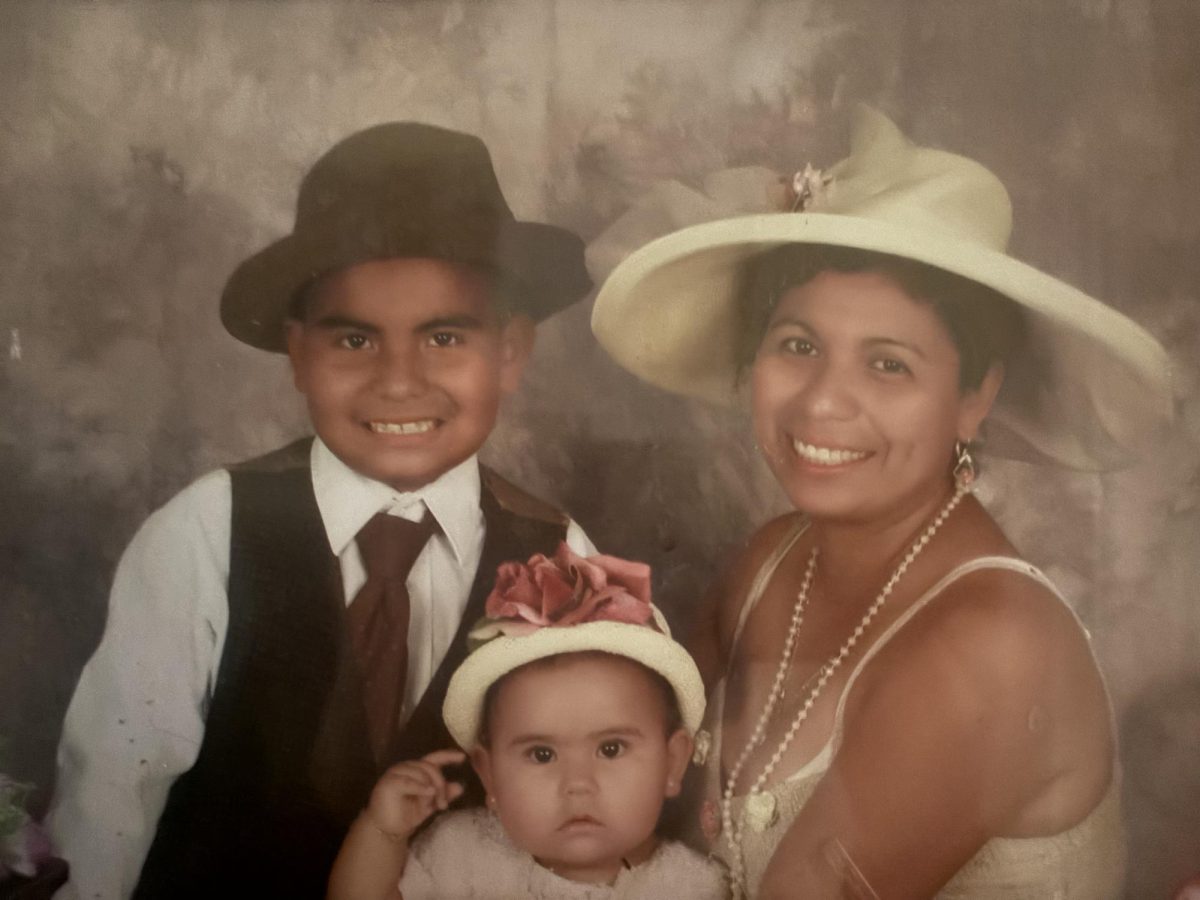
(985, 325)
(673, 719)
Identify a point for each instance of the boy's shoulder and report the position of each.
(295, 455)
(519, 501)
(507, 495)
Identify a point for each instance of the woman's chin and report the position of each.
(829, 494)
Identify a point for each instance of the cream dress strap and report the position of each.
(1085, 862)
(764, 575)
(1010, 563)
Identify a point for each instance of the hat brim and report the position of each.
(463, 707)
(667, 314)
(540, 268)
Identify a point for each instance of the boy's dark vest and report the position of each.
(285, 766)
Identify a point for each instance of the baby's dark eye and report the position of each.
(541, 755)
(355, 341)
(612, 749)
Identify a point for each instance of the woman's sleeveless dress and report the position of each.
(1085, 862)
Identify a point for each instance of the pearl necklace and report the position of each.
(760, 805)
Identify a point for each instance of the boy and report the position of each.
(280, 632)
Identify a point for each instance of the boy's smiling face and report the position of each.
(403, 363)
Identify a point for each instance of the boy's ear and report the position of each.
(293, 333)
(679, 754)
(516, 347)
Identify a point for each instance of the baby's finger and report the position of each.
(417, 785)
(442, 796)
(405, 783)
(444, 757)
(436, 778)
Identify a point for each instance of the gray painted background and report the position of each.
(147, 146)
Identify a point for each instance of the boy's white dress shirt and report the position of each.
(136, 720)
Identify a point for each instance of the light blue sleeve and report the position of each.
(136, 719)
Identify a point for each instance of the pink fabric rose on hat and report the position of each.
(564, 590)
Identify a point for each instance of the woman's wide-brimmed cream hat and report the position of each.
(1087, 390)
(650, 645)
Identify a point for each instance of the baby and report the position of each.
(577, 710)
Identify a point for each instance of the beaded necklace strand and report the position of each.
(761, 804)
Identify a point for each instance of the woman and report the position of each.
(902, 706)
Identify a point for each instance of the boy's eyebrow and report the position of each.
(335, 320)
(463, 321)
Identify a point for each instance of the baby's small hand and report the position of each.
(410, 792)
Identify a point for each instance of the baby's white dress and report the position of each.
(465, 855)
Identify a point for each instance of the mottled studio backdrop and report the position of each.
(145, 147)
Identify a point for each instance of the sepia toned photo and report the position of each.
(623, 448)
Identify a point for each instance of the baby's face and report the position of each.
(579, 763)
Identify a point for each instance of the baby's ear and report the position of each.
(679, 754)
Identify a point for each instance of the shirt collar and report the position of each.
(347, 499)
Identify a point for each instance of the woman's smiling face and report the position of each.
(856, 397)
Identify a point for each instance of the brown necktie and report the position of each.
(378, 619)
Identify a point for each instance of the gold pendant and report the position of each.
(760, 810)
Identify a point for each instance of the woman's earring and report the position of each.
(964, 465)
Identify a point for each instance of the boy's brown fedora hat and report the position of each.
(395, 190)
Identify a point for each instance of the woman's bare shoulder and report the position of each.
(993, 633)
(739, 577)
(1004, 619)
(716, 617)
(1001, 668)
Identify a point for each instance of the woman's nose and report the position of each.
(828, 392)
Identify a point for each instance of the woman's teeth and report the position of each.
(824, 456)
(402, 427)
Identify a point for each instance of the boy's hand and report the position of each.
(410, 792)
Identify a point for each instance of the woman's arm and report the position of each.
(952, 732)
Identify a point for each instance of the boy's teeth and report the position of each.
(824, 456)
(402, 427)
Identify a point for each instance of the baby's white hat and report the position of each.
(568, 604)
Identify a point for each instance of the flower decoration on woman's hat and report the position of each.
(566, 603)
